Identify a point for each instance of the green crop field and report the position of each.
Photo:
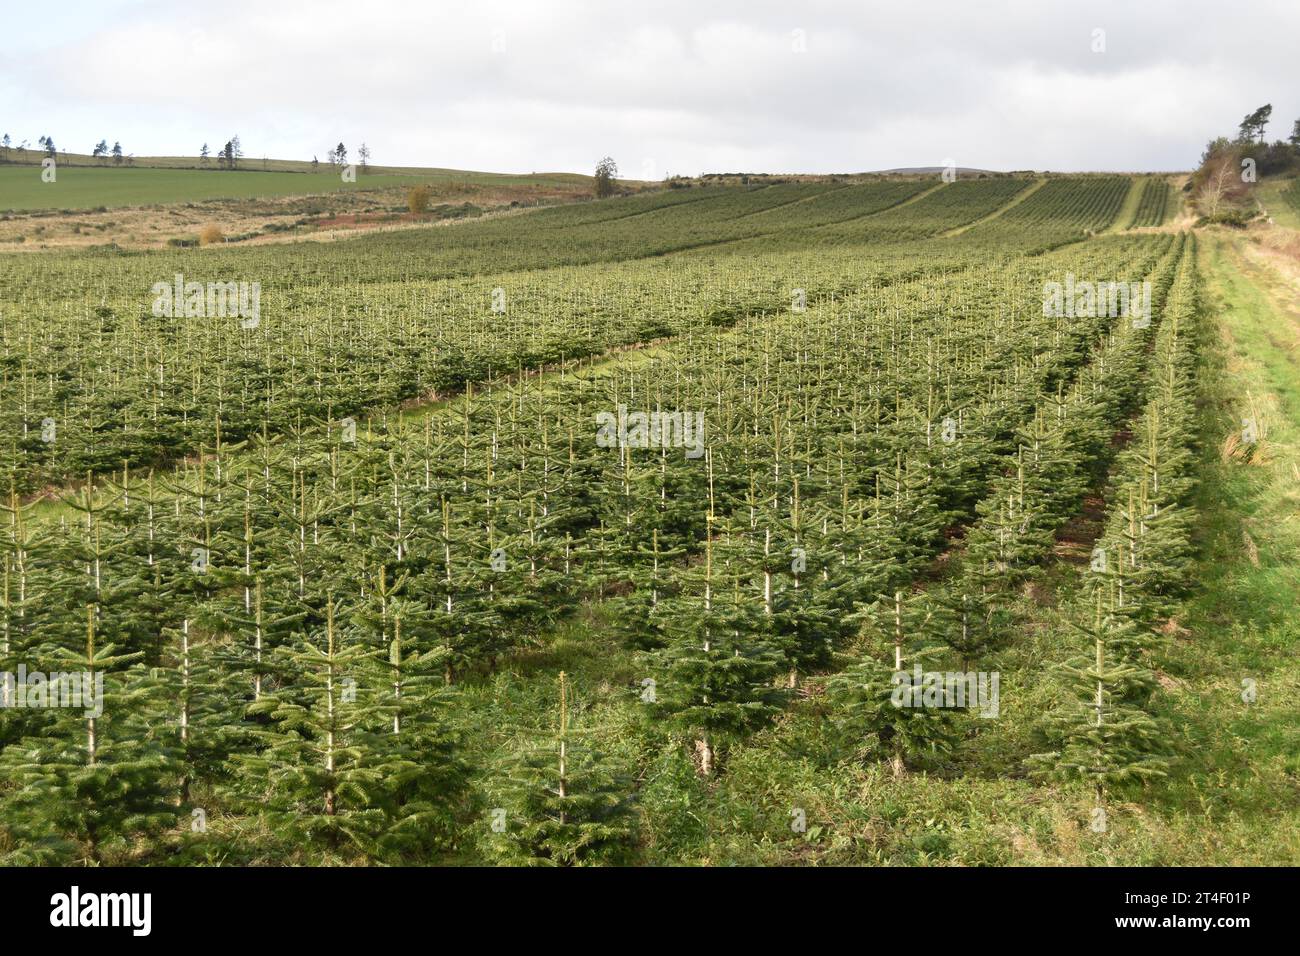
(603, 533)
(90, 187)
(77, 187)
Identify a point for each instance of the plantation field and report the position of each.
(603, 534)
(78, 187)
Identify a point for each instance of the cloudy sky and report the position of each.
(671, 86)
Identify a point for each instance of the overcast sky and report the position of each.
(671, 86)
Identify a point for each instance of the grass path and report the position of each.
(1242, 772)
(911, 199)
(1128, 211)
(1014, 201)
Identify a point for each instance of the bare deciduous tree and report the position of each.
(1222, 187)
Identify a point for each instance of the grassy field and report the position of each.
(149, 206)
(257, 163)
(90, 187)
(1281, 198)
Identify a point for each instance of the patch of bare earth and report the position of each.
(278, 219)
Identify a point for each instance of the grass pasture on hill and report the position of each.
(146, 206)
(88, 187)
(1280, 198)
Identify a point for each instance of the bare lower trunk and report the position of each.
(896, 765)
(705, 751)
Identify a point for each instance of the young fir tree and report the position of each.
(28, 612)
(458, 591)
(778, 549)
(862, 547)
(972, 616)
(909, 500)
(719, 668)
(1099, 737)
(1011, 534)
(205, 704)
(638, 616)
(566, 802)
(142, 579)
(97, 777)
(881, 712)
(314, 780)
(424, 781)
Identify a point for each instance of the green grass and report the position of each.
(76, 187)
(88, 187)
(257, 163)
(1281, 197)
(1128, 212)
(1243, 760)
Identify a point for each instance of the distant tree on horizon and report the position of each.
(606, 178)
(1252, 127)
(363, 152)
(341, 152)
(203, 154)
(101, 150)
(117, 153)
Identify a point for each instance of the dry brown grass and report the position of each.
(211, 234)
(298, 217)
(1235, 448)
(1248, 445)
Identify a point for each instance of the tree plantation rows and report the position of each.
(1153, 204)
(331, 627)
(98, 368)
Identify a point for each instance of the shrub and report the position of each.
(417, 199)
(210, 234)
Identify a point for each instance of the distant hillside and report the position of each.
(33, 157)
(934, 170)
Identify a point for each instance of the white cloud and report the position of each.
(694, 87)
